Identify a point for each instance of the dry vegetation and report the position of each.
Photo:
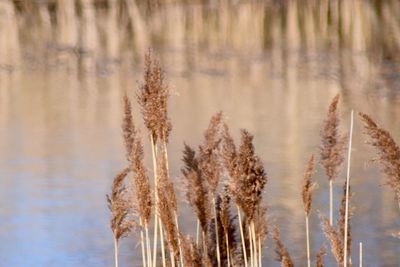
(224, 184)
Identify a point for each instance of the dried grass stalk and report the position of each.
(153, 97)
(249, 178)
(120, 207)
(388, 153)
(167, 204)
(281, 251)
(334, 239)
(332, 149)
(333, 144)
(319, 261)
(308, 186)
(196, 191)
(191, 254)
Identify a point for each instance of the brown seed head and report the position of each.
(128, 128)
(153, 97)
(249, 178)
(196, 190)
(333, 144)
(334, 240)
(308, 186)
(121, 223)
(209, 161)
(319, 261)
(281, 250)
(388, 153)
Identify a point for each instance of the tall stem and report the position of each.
(116, 252)
(361, 254)
(142, 242)
(228, 254)
(308, 242)
(162, 244)
(251, 246)
(253, 230)
(331, 202)
(148, 246)
(346, 223)
(216, 232)
(259, 253)
(197, 232)
(153, 152)
(242, 236)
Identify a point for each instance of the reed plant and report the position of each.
(223, 182)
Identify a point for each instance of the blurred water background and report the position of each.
(271, 66)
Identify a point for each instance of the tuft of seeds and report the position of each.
(121, 223)
(333, 144)
(249, 178)
(153, 97)
(308, 186)
(280, 250)
(196, 189)
(388, 153)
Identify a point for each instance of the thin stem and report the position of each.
(259, 253)
(179, 240)
(216, 232)
(251, 246)
(346, 223)
(162, 244)
(331, 202)
(361, 254)
(148, 245)
(197, 232)
(227, 249)
(116, 252)
(142, 242)
(253, 229)
(308, 242)
(153, 152)
(242, 236)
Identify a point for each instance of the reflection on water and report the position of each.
(271, 66)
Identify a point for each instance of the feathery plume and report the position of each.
(342, 219)
(196, 190)
(281, 250)
(191, 254)
(228, 151)
(121, 223)
(166, 205)
(208, 153)
(308, 186)
(249, 178)
(134, 151)
(334, 240)
(388, 153)
(333, 144)
(128, 128)
(153, 97)
(319, 261)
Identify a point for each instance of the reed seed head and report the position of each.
(333, 144)
(388, 153)
(197, 193)
(334, 239)
(209, 159)
(153, 97)
(319, 261)
(308, 186)
(121, 223)
(128, 127)
(249, 178)
(280, 250)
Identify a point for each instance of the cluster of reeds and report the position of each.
(223, 182)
